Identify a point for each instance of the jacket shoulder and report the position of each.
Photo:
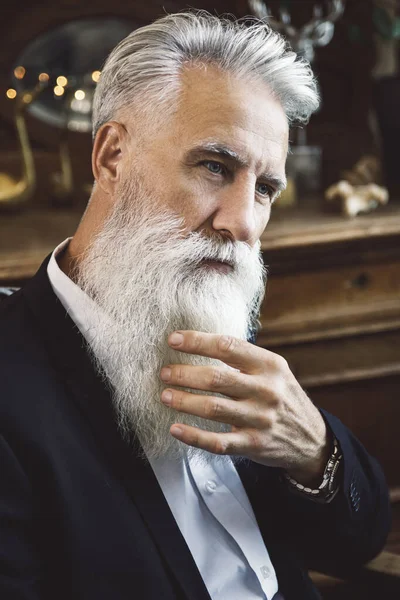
(24, 361)
(16, 320)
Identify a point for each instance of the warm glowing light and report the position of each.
(44, 77)
(80, 94)
(19, 72)
(27, 98)
(96, 75)
(11, 94)
(59, 90)
(62, 81)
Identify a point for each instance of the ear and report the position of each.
(108, 151)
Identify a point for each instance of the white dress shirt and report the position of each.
(208, 502)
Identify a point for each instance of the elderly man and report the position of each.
(148, 449)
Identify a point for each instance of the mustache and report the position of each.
(219, 248)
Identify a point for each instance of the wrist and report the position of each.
(327, 488)
(311, 475)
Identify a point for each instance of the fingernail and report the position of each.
(165, 374)
(176, 431)
(175, 339)
(166, 397)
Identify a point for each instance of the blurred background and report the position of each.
(332, 306)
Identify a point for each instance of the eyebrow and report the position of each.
(224, 151)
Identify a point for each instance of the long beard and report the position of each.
(146, 277)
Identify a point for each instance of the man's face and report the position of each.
(197, 190)
(219, 160)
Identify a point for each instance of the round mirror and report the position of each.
(70, 58)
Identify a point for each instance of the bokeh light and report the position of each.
(19, 72)
(62, 81)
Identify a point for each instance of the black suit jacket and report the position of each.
(81, 517)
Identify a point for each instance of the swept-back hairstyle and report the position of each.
(143, 70)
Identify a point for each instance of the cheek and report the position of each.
(263, 219)
(192, 203)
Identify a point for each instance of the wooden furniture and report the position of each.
(27, 237)
(332, 309)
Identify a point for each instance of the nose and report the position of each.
(236, 214)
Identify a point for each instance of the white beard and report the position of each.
(144, 274)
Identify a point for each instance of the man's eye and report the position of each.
(265, 190)
(214, 167)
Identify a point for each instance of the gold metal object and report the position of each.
(14, 192)
(63, 183)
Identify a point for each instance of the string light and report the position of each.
(11, 93)
(96, 76)
(62, 81)
(59, 90)
(44, 77)
(80, 94)
(19, 72)
(27, 98)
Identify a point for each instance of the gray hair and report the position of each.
(143, 71)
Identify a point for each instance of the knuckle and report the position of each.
(274, 405)
(261, 387)
(231, 377)
(220, 446)
(179, 374)
(227, 343)
(269, 391)
(216, 379)
(279, 391)
(195, 441)
(212, 409)
(254, 439)
(280, 363)
(266, 420)
(258, 414)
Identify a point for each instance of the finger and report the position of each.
(210, 379)
(216, 443)
(235, 352)
(222, 410)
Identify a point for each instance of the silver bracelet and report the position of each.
(329, 481)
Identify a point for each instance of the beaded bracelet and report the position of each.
(329, 483)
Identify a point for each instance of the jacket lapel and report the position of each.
(67, 348)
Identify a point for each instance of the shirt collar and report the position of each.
(77, 304)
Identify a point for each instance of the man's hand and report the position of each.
(273, 421)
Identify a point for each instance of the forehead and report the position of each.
(217, 107)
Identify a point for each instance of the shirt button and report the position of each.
(211, 486)
(265, 572)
